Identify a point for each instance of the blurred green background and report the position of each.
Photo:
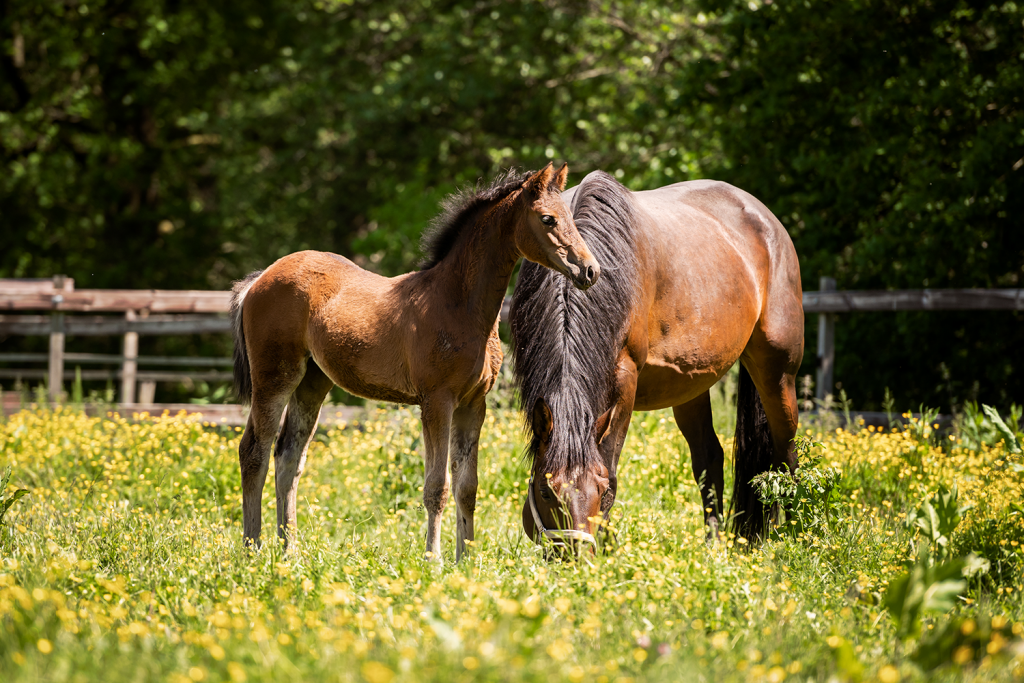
(181, 144)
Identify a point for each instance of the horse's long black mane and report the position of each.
(565, 343)
(459, 212)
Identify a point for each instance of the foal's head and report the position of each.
(564, 499)
(546, 233)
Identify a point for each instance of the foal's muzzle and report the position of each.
(587, 275)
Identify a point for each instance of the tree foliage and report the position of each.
(889, 138)
(149, 143)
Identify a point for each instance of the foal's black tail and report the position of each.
(243, 377)
(752, 455)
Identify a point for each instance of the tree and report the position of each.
(888, 137)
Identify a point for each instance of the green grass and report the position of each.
(125, 562)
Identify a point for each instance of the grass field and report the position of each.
(125, 562)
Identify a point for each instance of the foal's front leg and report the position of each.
(290, 454)
(466, 424)
(436, 415)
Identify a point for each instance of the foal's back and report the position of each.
(349, 320)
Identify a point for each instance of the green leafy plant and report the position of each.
(984, 426)
(7, 501)
(928, 588)
(933, 585)
(808, 497)
(923, 427)
(936, 519)
(1009, 436)
(208, 396)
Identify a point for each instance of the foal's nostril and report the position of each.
(590, 274)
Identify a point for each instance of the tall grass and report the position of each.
(125, 562)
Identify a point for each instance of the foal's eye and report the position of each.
(545, 494)
(547, 219)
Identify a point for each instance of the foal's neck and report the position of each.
(477, 270)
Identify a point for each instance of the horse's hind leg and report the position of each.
(706, 456)
(466, 423)
(290, 453)
(774, 376)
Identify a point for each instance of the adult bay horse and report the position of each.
(704, 276)
(312, 320)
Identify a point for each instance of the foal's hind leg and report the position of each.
(270, 394)
(254, 460)
(466, 423)
(706, 456)
(290, 453)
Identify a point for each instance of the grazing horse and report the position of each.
(313, 319)
(704, 276)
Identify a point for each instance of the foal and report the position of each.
(430, 338)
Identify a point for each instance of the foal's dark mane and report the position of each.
(565, 343)
(459, 212)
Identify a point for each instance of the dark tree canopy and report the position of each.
(889, 138)
(149, 143)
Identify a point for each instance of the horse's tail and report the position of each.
(243, 376)
(752, 455)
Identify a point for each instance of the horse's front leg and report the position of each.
(466, 423)
(436, 415)
(706, 455)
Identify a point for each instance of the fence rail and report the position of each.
(167, 312)
(914, 300)
(108, 326)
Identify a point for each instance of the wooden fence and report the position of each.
(154, 312)
(164, 312)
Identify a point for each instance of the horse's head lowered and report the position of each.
(564, 505)
(547, 234)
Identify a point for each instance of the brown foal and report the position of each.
(430, 338)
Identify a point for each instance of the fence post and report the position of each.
(129, 366)
(147, 389)
(826, 345)
(55, 373)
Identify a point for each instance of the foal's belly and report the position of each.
(353, 383)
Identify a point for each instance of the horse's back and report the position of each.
(724, 272)
(769, 249)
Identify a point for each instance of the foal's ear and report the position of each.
(540, 180)
(561, 177)
(603, 425)
(542, 420)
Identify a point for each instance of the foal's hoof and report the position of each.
(713, 537)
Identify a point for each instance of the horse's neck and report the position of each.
(479, 267)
